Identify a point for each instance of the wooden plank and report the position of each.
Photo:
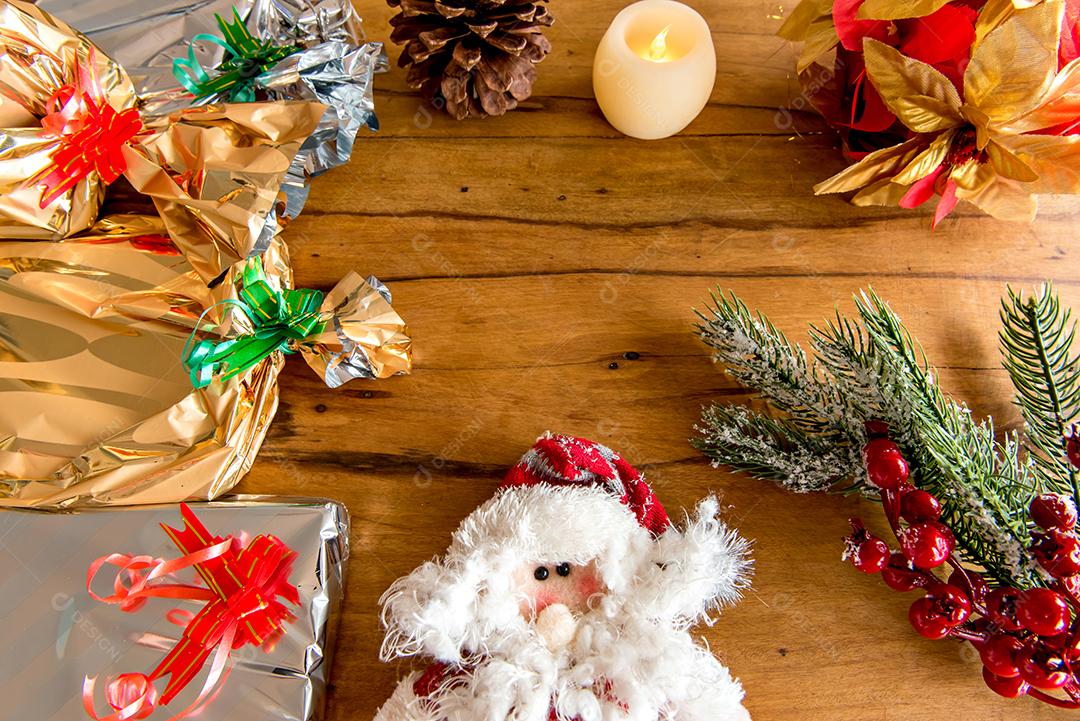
(571, 186)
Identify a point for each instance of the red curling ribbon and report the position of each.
(245, 586)
(91, 135)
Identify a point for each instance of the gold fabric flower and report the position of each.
(996, 146)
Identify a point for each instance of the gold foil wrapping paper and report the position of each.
(333, 64)
(364, 338)
(39, 55)
(214, 173)
(146, 37)
(203, 150)
(96, 406)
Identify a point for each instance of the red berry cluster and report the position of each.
(1028, 640)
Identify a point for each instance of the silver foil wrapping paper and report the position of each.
(334, 65)
(141, 35)
(54, 634)
(340, 76)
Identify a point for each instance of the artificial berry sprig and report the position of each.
(1028, 639)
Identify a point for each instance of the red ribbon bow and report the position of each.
(91, 135)
(245, 586)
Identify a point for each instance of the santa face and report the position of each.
(577, 586)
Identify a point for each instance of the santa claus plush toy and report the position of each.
(568, 596)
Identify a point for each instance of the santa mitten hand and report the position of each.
(432, 611)
(701, 567)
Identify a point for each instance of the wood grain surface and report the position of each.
(530, 253)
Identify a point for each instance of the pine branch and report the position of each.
(759, 356)
(984, 486)
(904, 358)
(772, 449)
(1036, 342)
(872, 370)
(856, 368)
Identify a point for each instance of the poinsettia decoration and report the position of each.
(966, 100)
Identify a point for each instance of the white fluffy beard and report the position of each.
(615, 669)
(647, 671)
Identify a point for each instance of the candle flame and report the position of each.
(658, 46)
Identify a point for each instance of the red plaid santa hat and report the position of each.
(560, 460)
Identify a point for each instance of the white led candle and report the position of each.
(654, 69)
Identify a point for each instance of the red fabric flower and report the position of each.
(942, 39)
(862, 107)
(852, 30)
(1069, 49)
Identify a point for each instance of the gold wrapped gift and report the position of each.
(214, 174)
(70, 124)
(139, 351)
(97, 404)
(44, 66)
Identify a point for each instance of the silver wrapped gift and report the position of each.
(333, 65)
(56, 635)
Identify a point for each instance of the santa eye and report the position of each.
(563, 569)
(541, 573)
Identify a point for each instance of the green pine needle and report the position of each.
(1036, 348)
(771, 448)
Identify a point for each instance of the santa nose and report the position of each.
(556, 626)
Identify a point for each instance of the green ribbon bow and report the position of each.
(278, 319)
(245, 59)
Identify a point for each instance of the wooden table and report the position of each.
(533, 255)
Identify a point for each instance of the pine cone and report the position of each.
(477, 56)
